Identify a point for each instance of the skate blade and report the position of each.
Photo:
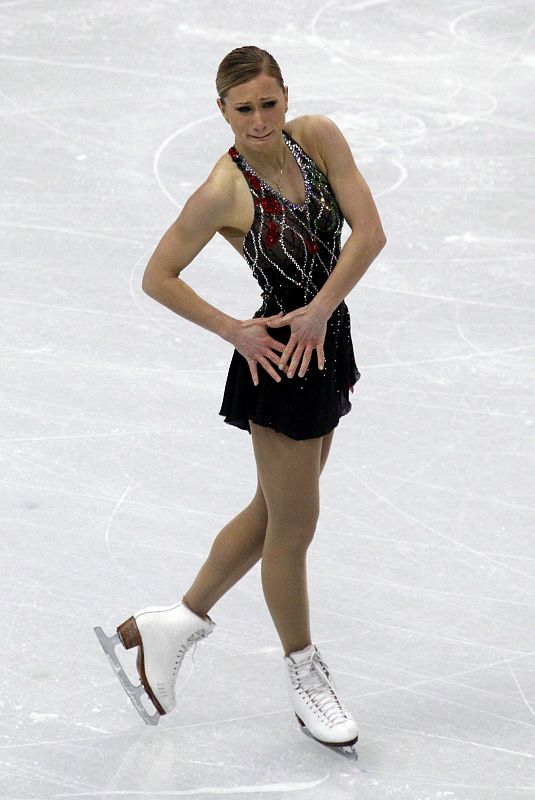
(135, 693)
(346, 750)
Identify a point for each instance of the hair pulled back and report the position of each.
(243, 64)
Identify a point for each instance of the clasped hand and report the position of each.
(308, 329)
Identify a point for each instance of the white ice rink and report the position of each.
(118, 472)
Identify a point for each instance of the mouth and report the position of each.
(261, 138)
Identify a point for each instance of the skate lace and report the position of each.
(183, 649)
(313, 679)
(193, 639)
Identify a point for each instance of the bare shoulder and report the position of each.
(227, 183)
(323, 140)
(218, 195)
(319, 136)
(224, 173)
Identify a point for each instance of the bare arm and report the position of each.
(308, 324)
(199, 220)
(211, 207)
(367, 237)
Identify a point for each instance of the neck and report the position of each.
(268, 161)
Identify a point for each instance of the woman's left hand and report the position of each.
(308, 326)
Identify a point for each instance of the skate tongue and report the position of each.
(302, 664)
(300, 656)
(306, 666)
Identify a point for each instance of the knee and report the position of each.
(293, 532)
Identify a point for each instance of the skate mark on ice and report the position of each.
(36, 717)
(107, 540)
(427, 589)
(461, 545)
(72, 65)
(72, 232)
(162, 147)
(428, 635)
(92, 728)
(261, 788)
(447, 678)
(509, 55)
(483, 746)
(465, 705)
(524, 698)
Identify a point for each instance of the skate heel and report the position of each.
(129, 633)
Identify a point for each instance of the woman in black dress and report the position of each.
(279, 196)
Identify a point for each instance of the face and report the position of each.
(256, 112)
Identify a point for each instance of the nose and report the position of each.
(258, 119)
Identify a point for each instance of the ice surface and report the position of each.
(118, 471)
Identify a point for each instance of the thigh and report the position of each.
(288, 473)
(325, 448)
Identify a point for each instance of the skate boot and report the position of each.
(313, 698)
(163, 636)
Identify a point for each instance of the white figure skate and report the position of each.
(313, 697)
(163, 636)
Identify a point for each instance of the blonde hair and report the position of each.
(243, 64)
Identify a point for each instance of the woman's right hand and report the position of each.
(252, 340)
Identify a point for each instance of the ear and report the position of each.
(222, 107)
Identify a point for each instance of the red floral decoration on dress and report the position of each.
(312, 247)
(233, 152)
(254, 183)
(272, 233)
(271, 205)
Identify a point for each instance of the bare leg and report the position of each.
(235, 550)
(289, 472)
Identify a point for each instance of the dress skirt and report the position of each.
(301, 408)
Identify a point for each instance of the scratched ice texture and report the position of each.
(118, 472)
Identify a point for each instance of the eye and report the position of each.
(246, 109)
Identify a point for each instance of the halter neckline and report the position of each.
(296, 151)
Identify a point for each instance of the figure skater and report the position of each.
(279, 196)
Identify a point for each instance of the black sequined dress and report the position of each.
(291, 250)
